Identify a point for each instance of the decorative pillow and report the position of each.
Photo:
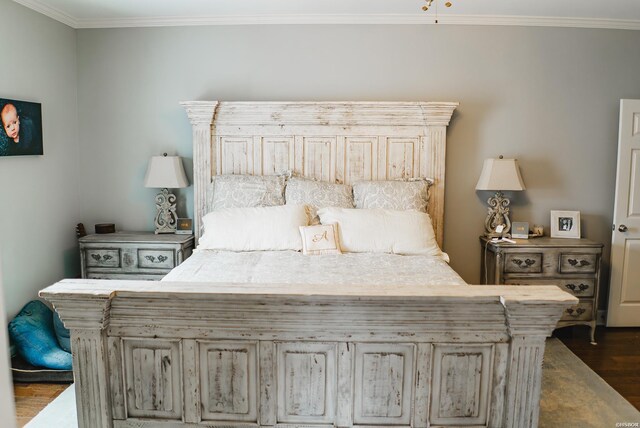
(62, 333)
(239, 191)
(254, 228)
(383, 231)
(392, 195)
(318, 194)
(320, 239)
(32, 332)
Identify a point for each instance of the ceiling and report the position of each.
(619, 14)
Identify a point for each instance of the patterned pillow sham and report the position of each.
(243, 191)
(393, 194)
(317, 194)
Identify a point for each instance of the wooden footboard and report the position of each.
(151, 354)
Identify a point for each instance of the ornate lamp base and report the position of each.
(497, 215)
(166, 218)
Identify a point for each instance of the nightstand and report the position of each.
(571, 264)
(132, 255)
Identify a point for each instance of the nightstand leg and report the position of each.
(593, 333)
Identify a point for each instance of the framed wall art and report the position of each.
(21, 132)
(565, 224)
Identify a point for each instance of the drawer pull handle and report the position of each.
(152, 259)
(577, 312)
(527, 262)
(579, 289)
(98, 257)
(578, 263)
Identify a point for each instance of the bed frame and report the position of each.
(150, 354)
(340, 142)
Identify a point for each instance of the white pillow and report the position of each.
(383, 231)
(254, 228)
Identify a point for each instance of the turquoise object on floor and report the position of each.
(62, 334)
(33, 333)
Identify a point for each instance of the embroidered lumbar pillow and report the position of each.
(320, 239)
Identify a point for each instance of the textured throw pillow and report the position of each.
(239, 191)
(317, 194)
(254, 228)
(393, 194)
(320, 239)
(33, 333)
(383, 231)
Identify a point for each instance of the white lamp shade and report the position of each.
(500, 174)
(165, 172)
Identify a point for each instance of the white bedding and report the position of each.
(293, 267)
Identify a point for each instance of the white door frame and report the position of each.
(624, 290)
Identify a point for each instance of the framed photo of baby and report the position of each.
(21, 132)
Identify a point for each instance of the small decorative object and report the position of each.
(80, 231)
(538, 230)
(498, 175)
(520, 230)
(166, 172)
(21, 132)
(105, 228)
(184, 226)
(565, 224)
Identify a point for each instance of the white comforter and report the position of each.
(283, 267)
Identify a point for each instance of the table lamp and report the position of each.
(498, 175)
(165, 172)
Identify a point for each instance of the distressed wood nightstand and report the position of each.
(571, 264)
(132, 255)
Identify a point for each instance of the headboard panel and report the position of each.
(339, 142)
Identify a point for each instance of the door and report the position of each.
(624, 292)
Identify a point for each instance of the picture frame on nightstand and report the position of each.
(565, 224)
(184, 226)
(520, 230)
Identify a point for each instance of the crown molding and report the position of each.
(351, 19)
(51, 12)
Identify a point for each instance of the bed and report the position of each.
(280, 339)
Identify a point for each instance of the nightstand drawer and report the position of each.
(156, 259)
(583, 311)
(579, 287)
(103, 257)
(132, 255)
(577, 263)
(523, 263)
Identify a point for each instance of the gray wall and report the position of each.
(548, 96)
(39, 201)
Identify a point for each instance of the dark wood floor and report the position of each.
(616, 358)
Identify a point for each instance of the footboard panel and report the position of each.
(211, 355)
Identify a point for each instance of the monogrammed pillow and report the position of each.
(320, 239)
(392, 194)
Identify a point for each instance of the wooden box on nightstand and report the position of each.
(132, 255)
(571, 264)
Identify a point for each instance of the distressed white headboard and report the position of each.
(339, 142)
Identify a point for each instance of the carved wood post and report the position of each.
(201, 115)
(436, 117)
(88, 317)
(529, 324)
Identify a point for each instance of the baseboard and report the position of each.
(601, 318)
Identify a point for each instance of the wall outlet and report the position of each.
(601, 318)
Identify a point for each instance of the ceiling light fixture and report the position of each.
(427, 6)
